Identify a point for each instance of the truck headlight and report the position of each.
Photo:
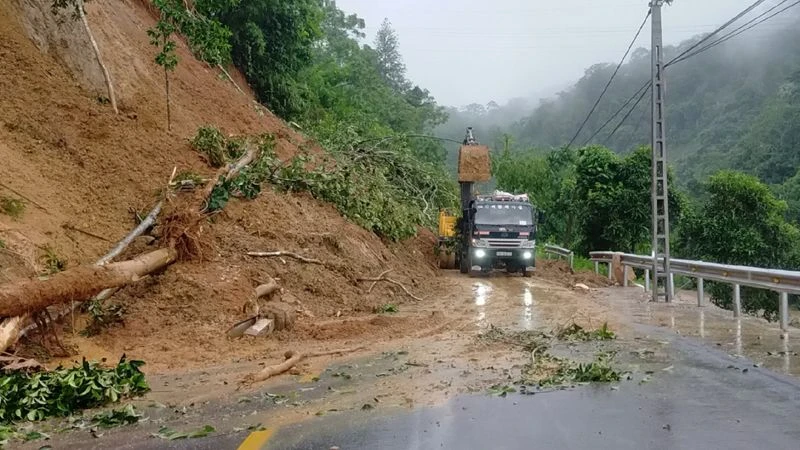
(480, 253)
(529, 244)
(480, 243)
(527, 255)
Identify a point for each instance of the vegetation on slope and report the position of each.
(305, 60)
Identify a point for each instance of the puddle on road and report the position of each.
(526, 304)
(504, 302)
(748, 337)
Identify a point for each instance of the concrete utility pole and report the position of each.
(659, 191)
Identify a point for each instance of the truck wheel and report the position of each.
(464, 264)
(526, 273)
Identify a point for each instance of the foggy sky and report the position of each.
(468, 51)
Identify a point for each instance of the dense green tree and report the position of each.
(272, 44)
(771, 147)
(593, 198)
(741, 222)
(389, 60)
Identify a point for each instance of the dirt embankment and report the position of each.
(82, 172)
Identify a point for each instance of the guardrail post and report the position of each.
(784, 310)
(571, 261)
(701, 295)
(671, 285)
(647, 280)
(597, 267)
(737, 300)
(610, 271)
(624, 275)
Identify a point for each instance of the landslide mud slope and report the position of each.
(82, 170)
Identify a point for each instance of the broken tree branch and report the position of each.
(292, 359)
(136, 232)
(219, 66)
(284, 253)
(69, 226)
(267, 288)
(375, 283)
(394, 282)
(10, 330)
(15, 192)
(109, 85)
(230, 171)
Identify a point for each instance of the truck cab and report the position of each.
(499, 232)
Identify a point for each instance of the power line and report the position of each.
(610, 80)
(747, 26)
(717, 31)
(617, 113)
(689, 53)
(628, 114)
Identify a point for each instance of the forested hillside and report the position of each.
(733, 106)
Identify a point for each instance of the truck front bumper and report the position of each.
(492, 257)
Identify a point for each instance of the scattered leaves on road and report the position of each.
(117, 417)
(171, 435)
(501, 390)
(575, 332)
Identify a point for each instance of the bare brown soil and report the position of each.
(559, 272)
(80, 167)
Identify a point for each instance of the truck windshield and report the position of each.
(503, 214)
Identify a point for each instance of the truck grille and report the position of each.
(505, 243)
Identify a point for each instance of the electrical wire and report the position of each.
(628, 114)
(618, 112)
(692, 51)
(611, 80)
(747, 26)
(717, 31)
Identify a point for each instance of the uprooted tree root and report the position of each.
(292, 359)
(182, 230)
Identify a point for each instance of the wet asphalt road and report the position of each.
(706, 400)
(701, 403)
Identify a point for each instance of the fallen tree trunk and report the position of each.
(10, 330)
(292, 359)
(13, 328)
(30, 296)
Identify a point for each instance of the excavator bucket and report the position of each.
(474, 164)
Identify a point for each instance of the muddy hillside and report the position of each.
(83, 176)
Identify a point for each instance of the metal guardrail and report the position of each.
(560, 252)
(784, 282)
